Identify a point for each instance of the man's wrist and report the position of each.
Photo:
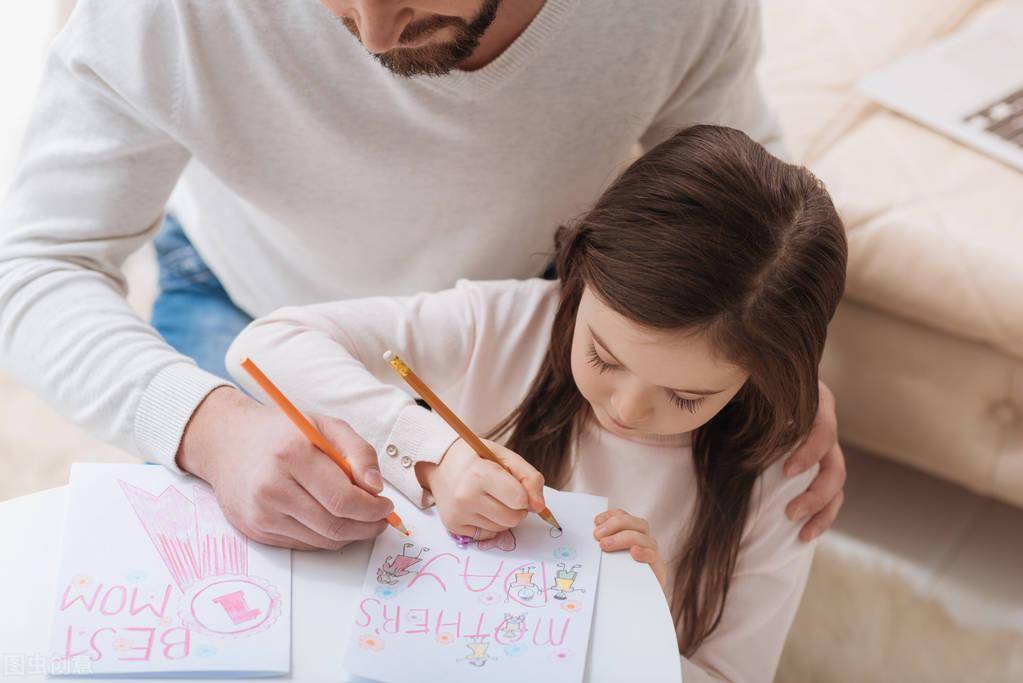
(199, 440)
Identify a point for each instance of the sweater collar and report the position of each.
(544, 26)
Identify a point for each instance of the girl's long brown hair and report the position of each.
(705, 233)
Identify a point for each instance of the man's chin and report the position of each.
(420, 61)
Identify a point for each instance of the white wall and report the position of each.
(26, 29)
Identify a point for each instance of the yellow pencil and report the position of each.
(460, 427)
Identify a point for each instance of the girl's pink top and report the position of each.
(479, 346)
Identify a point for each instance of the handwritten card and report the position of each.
(155, 581)
(518, 605)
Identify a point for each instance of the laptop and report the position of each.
(968, 85)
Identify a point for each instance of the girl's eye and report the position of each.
(597, 362)
(688, 404)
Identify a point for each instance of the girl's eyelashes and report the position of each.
(689, 404)
(598, 362)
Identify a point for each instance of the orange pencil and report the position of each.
(307, 428)
(460, 427)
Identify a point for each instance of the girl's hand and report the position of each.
(618, 530)
(477, 497)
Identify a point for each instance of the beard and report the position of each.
(439, 59)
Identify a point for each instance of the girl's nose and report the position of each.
(632, 407)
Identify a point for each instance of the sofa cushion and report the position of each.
(816, 52)
(934, 227)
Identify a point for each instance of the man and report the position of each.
(431, 140)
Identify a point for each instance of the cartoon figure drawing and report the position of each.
(397, 566)
(513, 628)
(564, 581)
(208, 560)
(524, 587)
(478, 651)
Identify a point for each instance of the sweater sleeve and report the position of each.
(98, 162)
(722, 87)
(328, 358)
(765, 592)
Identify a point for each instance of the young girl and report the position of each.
(670, 369)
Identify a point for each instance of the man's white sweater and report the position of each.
(304, 171)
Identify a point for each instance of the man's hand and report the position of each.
(823, 499)
(276, 487)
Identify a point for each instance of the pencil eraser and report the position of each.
(388, 354)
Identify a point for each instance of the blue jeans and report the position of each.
(193, 312)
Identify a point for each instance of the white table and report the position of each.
(633, 637)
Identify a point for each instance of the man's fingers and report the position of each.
(308, 511)
(332, 489)
(823, 489)
(818, 442)
(356, 450)
(626, 539)
(823, 520)
(279, 541)
(822, 437)
(275, 528)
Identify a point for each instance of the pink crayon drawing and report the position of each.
(397, 566)
(208, 560)
(503, 541)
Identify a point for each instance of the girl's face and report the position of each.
(643, 382)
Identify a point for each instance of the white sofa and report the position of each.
(925, 355)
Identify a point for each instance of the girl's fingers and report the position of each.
(470, 530)
(487, 524)
(504, 487)
(652, 558)
(620, 522)
(626, 539)
(498, 512)
(603, 516)
(528, 476)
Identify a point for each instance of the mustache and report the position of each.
(423, 27)
(415, 30)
